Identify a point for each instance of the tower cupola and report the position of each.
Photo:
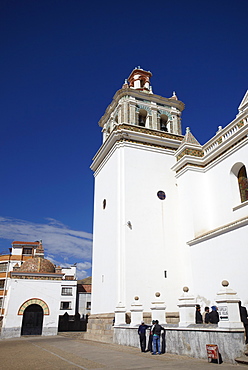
(140, 80)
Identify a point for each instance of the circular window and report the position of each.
(161, 195)
(104, 204)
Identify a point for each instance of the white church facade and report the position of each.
(168, 212)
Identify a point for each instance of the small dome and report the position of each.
(37, 264)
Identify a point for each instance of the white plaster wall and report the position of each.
(222, 195)
(68, 298)
(221, 258)
(151, 246)
(206, 202)
(105, 241)
(83, 298)
(129, 262)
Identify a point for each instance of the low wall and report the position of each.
(190, 341)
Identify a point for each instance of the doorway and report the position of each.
(32, 320)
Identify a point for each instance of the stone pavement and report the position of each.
(63, 352)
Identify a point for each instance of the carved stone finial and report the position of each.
(185, 289)
(187, 130)
(136, 298)
(225, 283)
(157, 294)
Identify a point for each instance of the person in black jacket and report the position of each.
(198, 315)
(142, 335)
(244, 319)
(205, 315)
(156, 332)
(214, 316)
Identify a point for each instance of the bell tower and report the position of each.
(135, 205)
(135, 104)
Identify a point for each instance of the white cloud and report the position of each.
(61, 243)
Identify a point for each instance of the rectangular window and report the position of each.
(27, 250)
(1, 302)
(2, 284)
(3, 267)
(65, 305)
(88, 305)
(66, 291)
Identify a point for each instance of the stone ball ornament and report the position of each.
(225, 283)
(157, 294)
(136, 298)
(185, 289)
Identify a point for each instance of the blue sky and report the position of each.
(61, 63)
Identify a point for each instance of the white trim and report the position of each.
(221, 230)
(241, 205)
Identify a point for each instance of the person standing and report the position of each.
(142, 335)
(198, 315)
(205, 315)
(214, 316)
(156, 332)
(149, 349)
(244, 319)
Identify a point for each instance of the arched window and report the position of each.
(243, 184)
(163, 122)
(142, 117)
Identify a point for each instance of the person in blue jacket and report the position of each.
(142, 335)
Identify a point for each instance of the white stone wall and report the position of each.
(190, 342)
(131, 259)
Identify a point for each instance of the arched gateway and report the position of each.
(32, 320)
(33, 311)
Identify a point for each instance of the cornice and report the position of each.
(33, 275)
(203, 158)
(218, 231)
(130, 134)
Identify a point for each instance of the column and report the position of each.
(228, 307)
(120, 315)
(158, 309)
(186, 308)
(136, 312)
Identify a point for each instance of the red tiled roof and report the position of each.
(29, 243)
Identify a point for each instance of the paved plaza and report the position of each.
(63, 352)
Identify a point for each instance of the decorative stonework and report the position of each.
(147, 131)
(37, 277)
(34, 301)
(219, 141)
(192, 152)
(145, 143)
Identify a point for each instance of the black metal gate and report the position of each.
(32, 320)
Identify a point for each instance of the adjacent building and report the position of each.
(33, 291)
(84, 296)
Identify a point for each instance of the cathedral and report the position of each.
(169, 213)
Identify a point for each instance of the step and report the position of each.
(242, 360)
